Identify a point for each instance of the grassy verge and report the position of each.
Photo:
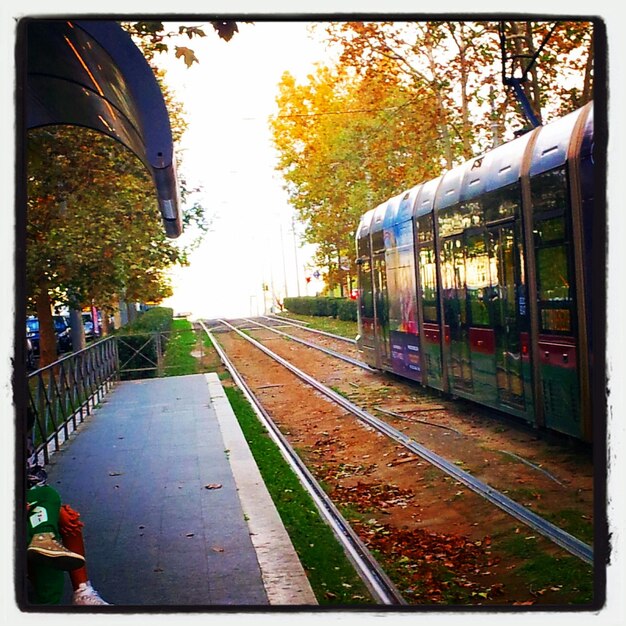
(327, 324)
(333, 579)
(178, 360)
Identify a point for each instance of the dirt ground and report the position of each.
(441, 542)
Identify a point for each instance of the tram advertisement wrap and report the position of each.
(405, 355)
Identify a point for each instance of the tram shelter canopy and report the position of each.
(90, 73)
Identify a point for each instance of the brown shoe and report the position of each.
(44, 548)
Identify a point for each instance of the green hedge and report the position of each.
(136, 350)
(157, 319)
(347, 310)
(341, 308)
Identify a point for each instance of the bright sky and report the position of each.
(228, 150)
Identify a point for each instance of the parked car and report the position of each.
(61, 328)
(88, 326)
(63, 332)
(32, 333)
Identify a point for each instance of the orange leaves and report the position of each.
(436, 568)
(346, 142)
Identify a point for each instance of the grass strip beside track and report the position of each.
(332, 576)
(327, 324)
(178, 360)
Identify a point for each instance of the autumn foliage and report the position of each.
(403, 102)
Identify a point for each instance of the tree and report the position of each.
(346, 142)
(558, 59)
(404, 101)
(93, 229)
(462, 63)
(153, 38)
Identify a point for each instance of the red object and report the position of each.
(70, 528)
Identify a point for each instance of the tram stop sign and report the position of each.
(90, 73)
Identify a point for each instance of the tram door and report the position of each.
(428, 294)
(381, 303)
(455, 315)
(367, 337)
(557, 341)
(506, 317)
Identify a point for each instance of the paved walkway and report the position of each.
(156, 536)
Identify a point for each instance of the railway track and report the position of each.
(309, 344)
(528, 517)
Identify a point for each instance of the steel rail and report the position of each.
(530, 518)
(374, 577)
(311, 330)
(304, 342)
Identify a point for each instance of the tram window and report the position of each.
(453, 220)
(378, 242)
(554, 289)
(552, 273)
(365, 280)
(549, 191)
(551, 230)
(477, 279)
(550, 205)
(555, 320)
(502, 203)
(428, 279)
(425, 228)
(472, 212)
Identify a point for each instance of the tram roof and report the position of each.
(392, 212)
(495, 169)
(505, 163)
(449, 191)
(587, 143)
(407, 203)
(379, 216)
(551, 148)
(365, 222)
(426, 199)
(90, 73)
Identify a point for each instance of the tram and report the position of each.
(477, 283)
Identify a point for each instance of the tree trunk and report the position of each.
(465, 115)
(47, 335)
(588, 84)
(78, 330)
(104, 329)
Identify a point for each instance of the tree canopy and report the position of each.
(94, 234)
(406, 100)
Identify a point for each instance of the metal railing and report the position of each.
(143, 354)
(63, 393)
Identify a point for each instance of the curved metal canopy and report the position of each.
(90, 73)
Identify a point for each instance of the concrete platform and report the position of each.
(156, 536)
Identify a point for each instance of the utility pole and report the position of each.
(295, 253)
(282, 251)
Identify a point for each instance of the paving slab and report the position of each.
(137, 471)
